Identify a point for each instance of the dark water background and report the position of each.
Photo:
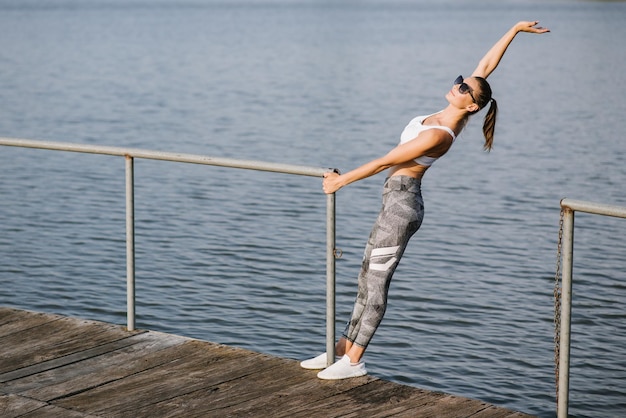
(237, 257)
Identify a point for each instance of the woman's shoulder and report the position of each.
(421, 118)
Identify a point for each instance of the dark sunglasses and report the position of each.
(463, 87)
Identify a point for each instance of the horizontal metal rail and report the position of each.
(569, 206)
(131, 153)
(167, 156)
(595, 208)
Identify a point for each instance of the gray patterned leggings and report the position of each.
(399, 218)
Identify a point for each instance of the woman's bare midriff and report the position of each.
(410, 169)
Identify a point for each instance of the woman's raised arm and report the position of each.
(492, 58)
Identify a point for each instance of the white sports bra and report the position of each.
(414, 128)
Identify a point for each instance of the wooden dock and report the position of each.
(55, 366)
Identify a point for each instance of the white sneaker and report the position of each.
(316, 363)
(343, 369)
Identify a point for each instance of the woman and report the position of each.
(424, 140)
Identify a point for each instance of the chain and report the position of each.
(557, 307)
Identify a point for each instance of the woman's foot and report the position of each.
(343, 369)
(316, 363)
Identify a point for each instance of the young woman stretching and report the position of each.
(423, 141)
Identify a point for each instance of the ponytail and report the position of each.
(482, 98)
(489, 125)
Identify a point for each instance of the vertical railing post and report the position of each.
(330, 278)
(130, 243)
(566, 312)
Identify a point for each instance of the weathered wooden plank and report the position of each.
(378, 398)
(127, 340)
(87, 386)
(16, 406)
(13, 321)
(496, 412)
(203, 366)
(250, 390)
(294, 397)
(51, 411)
(89, 371)
(450, 406)
(13, 406)
(45, 342)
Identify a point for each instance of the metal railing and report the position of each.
(130, 154)
(568, 207)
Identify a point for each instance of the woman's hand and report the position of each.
(330, 183)
(530, 27)
(491, 60)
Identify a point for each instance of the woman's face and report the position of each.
(464, 100)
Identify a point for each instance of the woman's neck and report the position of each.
(452, 117)
(454, 114)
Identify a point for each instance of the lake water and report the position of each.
(238, 257)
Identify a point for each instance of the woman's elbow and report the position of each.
(383, 164)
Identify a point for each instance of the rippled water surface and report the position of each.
(238, 257)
